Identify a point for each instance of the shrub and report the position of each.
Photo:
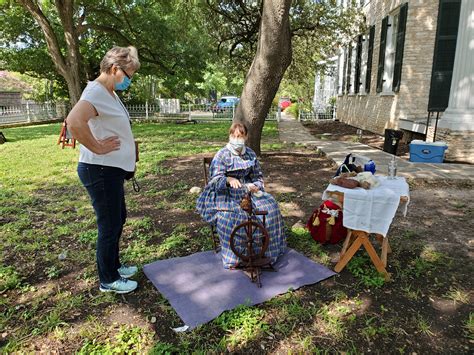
(293, 110)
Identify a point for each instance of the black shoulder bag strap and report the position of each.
(135, 185)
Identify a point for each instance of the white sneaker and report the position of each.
(122, 285)
(127, 271)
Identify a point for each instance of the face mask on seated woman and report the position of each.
(237, 144)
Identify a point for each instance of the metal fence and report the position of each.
(189, 112)
(328, 114)
(143, 110)
(28, 112)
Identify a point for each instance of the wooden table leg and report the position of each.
(346, 244)
(379, 265)
(385, 249)
(383, 240)
(348, 254)
(362, 238)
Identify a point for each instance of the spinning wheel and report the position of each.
(255, 237)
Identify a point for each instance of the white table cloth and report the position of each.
(372, 210)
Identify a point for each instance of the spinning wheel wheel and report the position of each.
(249, 240)
(254, 239)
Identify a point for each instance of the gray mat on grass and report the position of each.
(199, 288)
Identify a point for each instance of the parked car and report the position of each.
(284, 102)
(225, 103)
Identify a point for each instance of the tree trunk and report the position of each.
(70, 67)
(271, 60)
(74, 86)
(74, 75)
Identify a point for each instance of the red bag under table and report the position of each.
(325, 224)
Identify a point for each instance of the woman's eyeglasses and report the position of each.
(128, 76)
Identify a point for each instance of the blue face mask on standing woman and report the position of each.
(124, 84)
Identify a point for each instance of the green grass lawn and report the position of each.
(31, 160)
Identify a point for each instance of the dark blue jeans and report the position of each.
(105, 187)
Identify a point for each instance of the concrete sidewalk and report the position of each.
(292, 131)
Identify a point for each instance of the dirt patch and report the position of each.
(292, 177)
(335, 130)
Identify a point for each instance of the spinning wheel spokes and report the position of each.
(250, 227)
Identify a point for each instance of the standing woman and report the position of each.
(101, 123)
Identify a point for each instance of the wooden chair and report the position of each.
(65, 137)
(206, 164)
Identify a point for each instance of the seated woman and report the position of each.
(234, 171)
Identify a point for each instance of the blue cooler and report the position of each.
(427, 152)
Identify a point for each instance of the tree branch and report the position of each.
(307, 28)
(109, 29)
(66, 13)
(80, 26)
(51, 39)
(153, 60)
(130, 27)
(99, 11)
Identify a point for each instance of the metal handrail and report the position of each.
(430, 116)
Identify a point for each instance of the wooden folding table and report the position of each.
(357, 238)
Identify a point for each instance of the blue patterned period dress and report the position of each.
(219, 204)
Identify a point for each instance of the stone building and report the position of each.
(414, 63)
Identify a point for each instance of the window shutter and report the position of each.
(383, 42)
(444, 52)
(348, 76)
(357, 64)
(402, 25)
(369, 59)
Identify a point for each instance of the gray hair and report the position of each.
(124, 57)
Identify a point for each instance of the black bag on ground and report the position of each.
(2, 138)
